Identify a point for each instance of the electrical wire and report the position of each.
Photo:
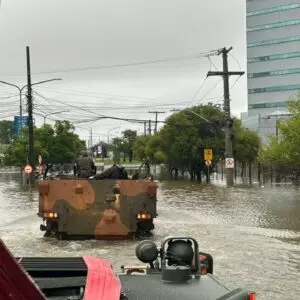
(235, 82)
(139, 121)
(122, 65)
(212, 63)
(94, 95)
(94, 106)
(239, 65)
(80, 69)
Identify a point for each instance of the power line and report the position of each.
(156, 114)
(94, 95)
(238, 63)
(80, 69)
(212, 63)
(91, 105)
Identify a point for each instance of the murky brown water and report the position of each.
(252, 233)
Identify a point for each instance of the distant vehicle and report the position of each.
(176, 270)
(106, 206)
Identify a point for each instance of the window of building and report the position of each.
(273, 25)
(272, 9)
(275, 41)
(273, 57)
(266, 105)
(274, 89)
(274, 73)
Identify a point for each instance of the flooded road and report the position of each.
(252, 233)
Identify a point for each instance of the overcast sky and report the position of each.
(73, 40)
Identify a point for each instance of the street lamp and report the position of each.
(53, 113)
(196, 114)
(20, 91)
(110, 131)
(278, 116)
(191, 111)
(90, 129)
(22, 88)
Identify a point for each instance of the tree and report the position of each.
(129, 137)
(181, 142)
(246, 143)
(117, 148)
(58, 144)
(282, 154)
(139, 146)
(186, 135)
(6, 132)
(124, 145)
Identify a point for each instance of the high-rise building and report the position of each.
(273, 59)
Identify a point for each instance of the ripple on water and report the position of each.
(252, 233)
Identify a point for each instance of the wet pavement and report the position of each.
(253, 233)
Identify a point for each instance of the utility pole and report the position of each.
(145, 128)
(91, 141)
(149, 128)
(30, 118)
(228, 122)
(156, 113)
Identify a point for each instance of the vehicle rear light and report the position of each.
(144, 216)
(51, 215)
(251, 296)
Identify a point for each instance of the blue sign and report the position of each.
(20, 122)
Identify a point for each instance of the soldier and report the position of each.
(85, 166)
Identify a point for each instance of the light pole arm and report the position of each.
(44, 81)
(208, 121)
(11, 84)
(22, 88)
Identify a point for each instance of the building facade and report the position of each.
(273, 60)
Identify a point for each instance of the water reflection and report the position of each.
(253, 233)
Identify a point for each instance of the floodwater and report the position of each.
(253, 233)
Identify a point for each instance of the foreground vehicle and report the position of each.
(101, 209)
(177, 270)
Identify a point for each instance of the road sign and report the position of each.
(208, 154)
(99, 149)
(208, 162)
(27, 169)
(229, 163)
(19, 122)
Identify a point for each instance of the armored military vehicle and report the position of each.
(99, 207)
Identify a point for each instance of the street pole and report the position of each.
(149, 128)
(20, 105)
(91, 141)
(277, 129)
(228, 121)
(156, 113)
(108, 131)
(30, 118)
(145, 128)
(25, 86)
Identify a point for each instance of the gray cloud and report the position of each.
(67, 34)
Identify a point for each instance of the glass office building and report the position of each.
(273, 60)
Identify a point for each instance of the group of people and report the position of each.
(85, 168)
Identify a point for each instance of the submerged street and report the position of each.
(252, 233)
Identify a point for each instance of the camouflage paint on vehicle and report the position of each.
(96, 208)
